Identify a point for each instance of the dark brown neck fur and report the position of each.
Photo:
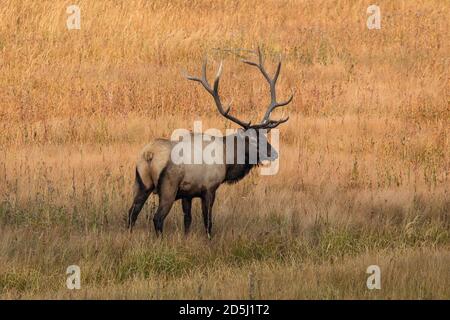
(235, 172)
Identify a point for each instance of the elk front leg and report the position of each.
(186, 203)
(207, 204)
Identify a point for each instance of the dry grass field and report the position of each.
(364, 159)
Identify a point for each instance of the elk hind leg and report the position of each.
(141, 194)
(167, 195)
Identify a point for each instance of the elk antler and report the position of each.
(266, 122)
(215, 93)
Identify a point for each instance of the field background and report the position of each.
(364, 169)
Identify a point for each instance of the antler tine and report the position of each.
(204, 70)
(275, 105)
(273, 124)
(277, 73)
(259, 65)
(270, 124)
(203, 80)
(218, 74)
(214, 92)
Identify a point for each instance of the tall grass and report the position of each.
(364, 168)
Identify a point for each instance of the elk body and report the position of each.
(159, 171)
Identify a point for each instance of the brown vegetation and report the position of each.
(364, 158)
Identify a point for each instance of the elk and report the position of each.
(157, 172)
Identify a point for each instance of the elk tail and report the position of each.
(148, 155)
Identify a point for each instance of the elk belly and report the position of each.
(185, 186)
(189, 189)
(203, 175)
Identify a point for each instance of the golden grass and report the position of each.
(364, 169)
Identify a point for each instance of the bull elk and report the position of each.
(157, 172)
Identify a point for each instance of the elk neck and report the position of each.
(236, 171)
